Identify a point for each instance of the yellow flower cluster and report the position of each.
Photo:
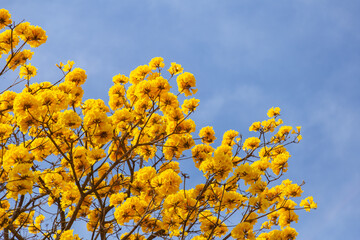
(14, 39)
(119, 164)
(67, 235)
(5, 18)
(308, 203)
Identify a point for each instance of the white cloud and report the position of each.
(337, 121)
(237, 100)
(334, 214)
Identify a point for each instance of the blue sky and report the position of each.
(247, 56)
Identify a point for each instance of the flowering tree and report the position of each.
(115, 168)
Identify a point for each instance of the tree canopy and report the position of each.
(113, 165)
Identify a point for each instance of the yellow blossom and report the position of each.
(207, 134)
(27, 71)
(175, 69)
(251, 143)
(273, 112)
(186, 83)
(308, 203)
(157, 62)
(5, 18)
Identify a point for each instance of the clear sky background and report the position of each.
(247, 56)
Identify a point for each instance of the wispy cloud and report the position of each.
(336, 121)
(339, 208)
(238, 100)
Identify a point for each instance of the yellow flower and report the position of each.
(8, 40)
(27, 71)
(5, 18)
(25, 104)
(168, 102)
(19, 59)
(210, 224)
(287, 217)
(22, 29)
(175, 69)
(139, 74)
(5, 132)
(144, 90)
(273, 112)
(291, 190)
(95, 119)
(102, 135)
(289, 233)
(200, 153)
(36, 227)
(280, 163)
(160, 85)
(117, 96)
(186, 126)
(76, 77)
(270, 125)
(170, 165)
(122, 119)
(21, 180)
(24, 219)
(69, 94)
(70, 119)
(186, 83)
(41, 148)
(244, 231)
(117, 198)
(68, 66)
(69, 235)
(259, 203)
(199, 238)
(220, 165)
(207, 135)
(146, 151)
(251, 143)
(190, 105)
(157, 62)
(132, 209)
(299, 138)
(7, 101)
(232, 200)
(35, 36)
(167, 182)
(92, 104)
(258, 187)
(255, 126)
(308, 203)
(261, 164)
(122, 79)
(229, 137)
(60, 65)
(247, 173)
(95, 154)
(70, 195)
(4, 218)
